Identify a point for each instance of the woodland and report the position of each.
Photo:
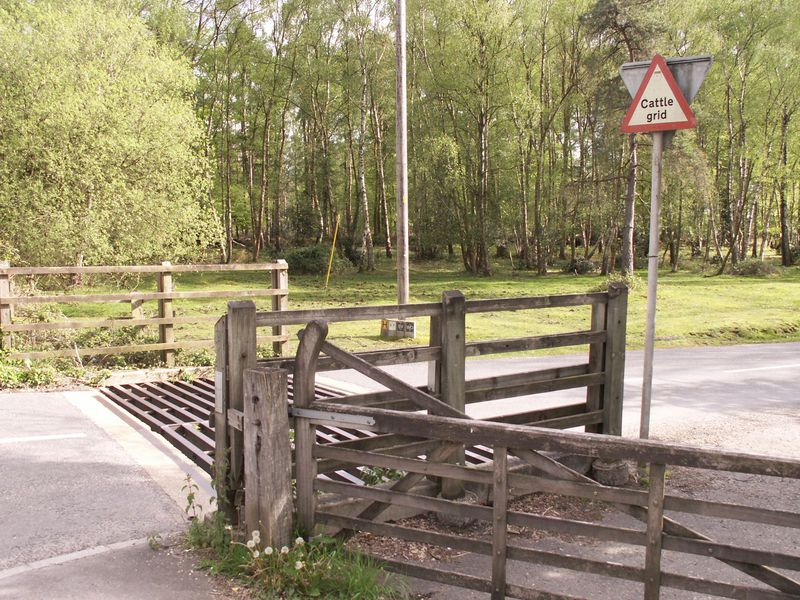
(134, 131)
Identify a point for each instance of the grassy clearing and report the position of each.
(693, 309)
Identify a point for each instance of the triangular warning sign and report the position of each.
(659, 104)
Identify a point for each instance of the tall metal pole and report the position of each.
(652, 283)
(401, 158)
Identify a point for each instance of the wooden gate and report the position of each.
(516, 445)
(425, 432)
(601, 374)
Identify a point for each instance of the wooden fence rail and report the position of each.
(276, 288)
(526, 444)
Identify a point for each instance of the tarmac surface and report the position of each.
(83, 486)
(81, 491)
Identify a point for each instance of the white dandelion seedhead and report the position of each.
(299, 541)
(285, 550)
(251, 544)
(256, 535)
(268, 550)
(256, 553)
(298, 565)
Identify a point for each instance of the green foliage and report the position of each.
(321, 568)
(102, 158)
(195, 358)
(632, 280)
(753, 267)
(377, 475)
(16, 374)
(313, 260)
(119, 336)
(580, 266)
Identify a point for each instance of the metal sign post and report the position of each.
(652, 283)
(661, 90)
(401, 159)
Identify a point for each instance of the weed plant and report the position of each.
(17, 374)
(320, 568)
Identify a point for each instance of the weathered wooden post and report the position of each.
(614, 362)
(267, 456)
(434, 366)
(5, 308)
(165, 311)
(453, 330)
(280, 281)
(305, 369)
(655, 532)
(137, 311)
(221, 466)
(240, 325)
(597, 357)
(608, 357)
(499, 523)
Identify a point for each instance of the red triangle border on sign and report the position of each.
(626, 127)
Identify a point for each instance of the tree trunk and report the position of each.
(786, 247)
(263, 207)
(382, 212)
(367, 253)
(628, 249)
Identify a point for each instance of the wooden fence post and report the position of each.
(267, 456)
(453, 332)
(499, 524)
(597, 356)
(5, 309)
(434, 366)
(241, 348)
(305, 369)
(137, 311)
(280, 281)
(614, 362)
(166, 333)
(221, 467)
(655, 525)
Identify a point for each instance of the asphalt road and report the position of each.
(737, 397)
(81, 490)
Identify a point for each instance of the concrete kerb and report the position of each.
(166, 466)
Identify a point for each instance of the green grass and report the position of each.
(693, 309)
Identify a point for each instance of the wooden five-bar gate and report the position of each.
(423, 433)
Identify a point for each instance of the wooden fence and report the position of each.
(276, 287)
(601, 374)
(450, 428)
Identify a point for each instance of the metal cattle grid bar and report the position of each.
(181, 412)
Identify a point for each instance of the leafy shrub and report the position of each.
(313, 260)
(15, 374)
(122, 336)
(378, 475)
(195, 358)
(10, 376)
(580, 266)
(321, 568)
(632, 281)
(752, 267)
(795, 253)
(40, 375)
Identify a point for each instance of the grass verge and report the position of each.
(693, 309)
